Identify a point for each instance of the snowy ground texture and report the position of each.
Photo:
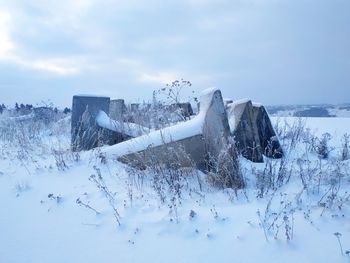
(57, 206)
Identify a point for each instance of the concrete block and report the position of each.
(85, 133)
(117, 109)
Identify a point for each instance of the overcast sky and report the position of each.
(273, 51)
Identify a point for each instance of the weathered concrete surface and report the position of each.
(216, 128)
(253, 131)
(245, 130)
(85, 133)
(189, 152)
(134, 107)
(117, 109)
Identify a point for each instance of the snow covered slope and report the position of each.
(53, 211)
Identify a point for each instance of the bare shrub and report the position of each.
(334, 197)
(63, 157)
(32, 138)
(274, 219)
(109, 195)
(345, 147)
(168, 169)
(165, 109)
(225, 170)
(321, 147)
(171, 93)
(290, 134)
(86, 205)
(275, 174)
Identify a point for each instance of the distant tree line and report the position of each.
(28, 108)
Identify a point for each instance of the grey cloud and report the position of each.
(272, 51)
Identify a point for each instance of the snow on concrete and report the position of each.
(128, 128)
(173, 133)
(257, 104)
(230, 108)
(90, 95)
(240, 101)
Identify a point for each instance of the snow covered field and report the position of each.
(52, 209)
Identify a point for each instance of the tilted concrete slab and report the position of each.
(200, 140)
(244, 130)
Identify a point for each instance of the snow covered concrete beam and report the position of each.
(199, 141)
(91, 126)
(253, 132)
(129, 129)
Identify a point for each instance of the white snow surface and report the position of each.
(22, 118)
(339, 112)
(335, 126)
(226, 228)
(257, 104)
(176, 132)
(128, 128)
(240, 101)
